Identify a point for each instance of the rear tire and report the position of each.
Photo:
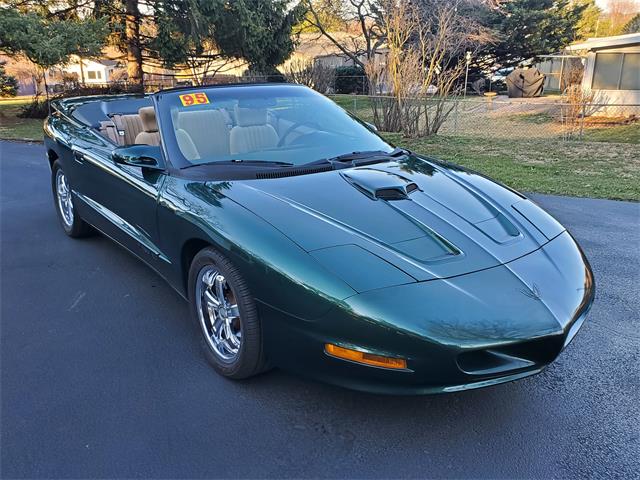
(71, 222)
(226, 313)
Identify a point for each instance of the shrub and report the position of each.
(78, 90)
(8, 84)
(310, 73)
(251, 75)
(38, 108)
(351, 80)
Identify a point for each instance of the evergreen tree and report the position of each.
(527, 29)
(259, 31)
(199, 33)
(589, 21)
(633, 26)
(49, 40)
(193, 33)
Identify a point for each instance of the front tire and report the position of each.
(71, 222)
(226, 313)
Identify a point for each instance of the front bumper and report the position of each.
(471, 331)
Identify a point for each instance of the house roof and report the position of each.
(312, 45)
(108, 63)
(606, 42)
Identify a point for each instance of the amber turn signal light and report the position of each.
(365, 358)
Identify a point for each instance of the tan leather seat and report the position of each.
(186, 145)
(108, 129)
(252, 132)
(207, 130)
(127, 127)
(150, 134)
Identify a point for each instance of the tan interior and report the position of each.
(206, 129)
(252, 132)
(199, 133)
(149, 134)
(133, 128)
(128, 127)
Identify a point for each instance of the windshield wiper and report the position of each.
(353, 157)
(241, 161)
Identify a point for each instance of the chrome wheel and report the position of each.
(63, 195)
(218, 313)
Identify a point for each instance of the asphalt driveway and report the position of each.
(101, 374)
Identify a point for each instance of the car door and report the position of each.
(123, 198)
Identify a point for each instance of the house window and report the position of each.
(617, 71)
(606, 75)
(91, 74)
(630, 72)
(99, 75)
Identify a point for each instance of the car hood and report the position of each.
(398, 222)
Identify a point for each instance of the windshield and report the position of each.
(258, 123)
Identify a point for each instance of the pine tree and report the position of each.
(633, 26)
(527, 29)
(49, 40)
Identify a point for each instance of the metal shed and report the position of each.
(612, 69)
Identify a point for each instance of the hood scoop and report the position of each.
(380, 185)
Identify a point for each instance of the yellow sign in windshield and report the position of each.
(190, 99)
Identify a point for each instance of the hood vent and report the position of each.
(378, 184)
(391, 194)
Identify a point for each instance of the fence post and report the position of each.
(584, 111)
(455, 117)
(355, 105)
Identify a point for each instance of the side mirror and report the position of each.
(146, 156)
(372, 126)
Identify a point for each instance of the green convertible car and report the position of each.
(303, 240)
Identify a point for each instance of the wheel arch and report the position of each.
(52, 156)
(189, 250)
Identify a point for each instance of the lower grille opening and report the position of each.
(515, 356)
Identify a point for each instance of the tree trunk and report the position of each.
(81, 72)
(134, 52)
(46, 86)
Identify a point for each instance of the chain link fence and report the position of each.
(493, 116)
(504, 118)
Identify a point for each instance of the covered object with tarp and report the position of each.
(525, 83)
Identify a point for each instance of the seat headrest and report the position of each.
(187, 120)
(246, 117)
(148, 117)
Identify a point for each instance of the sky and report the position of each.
(604, 4)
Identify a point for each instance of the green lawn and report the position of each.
(622, 133)
(605, 165)
(14, 128)
(583, 169)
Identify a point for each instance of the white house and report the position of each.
(93, 71)
(86, 71)
(612, 70)
(314, 47)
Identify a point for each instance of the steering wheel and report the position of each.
(293, 127)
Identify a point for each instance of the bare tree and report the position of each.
(310, 73)
(362, 34)
(620, 12)
(426, 58)
(574, 110)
